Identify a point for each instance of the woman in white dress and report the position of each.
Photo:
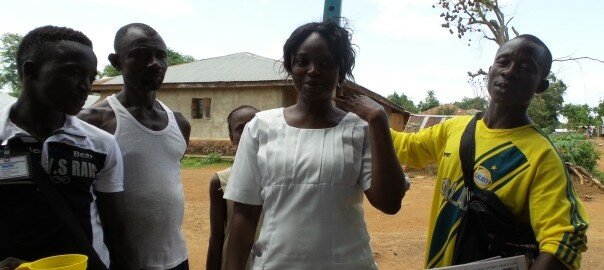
(308, 165)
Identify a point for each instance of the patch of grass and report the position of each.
(599, 175)
(202, 161)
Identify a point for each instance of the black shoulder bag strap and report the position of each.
(468, 242)
(467, 149)
(59, 205)
(487, 216)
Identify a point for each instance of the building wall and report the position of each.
(290, 96)
(223, 100)
(397, 121)
(104, 95)
(226, 99)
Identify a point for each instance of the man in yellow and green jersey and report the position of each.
(519, 164)
(513, 158)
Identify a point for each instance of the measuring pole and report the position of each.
(332, 10)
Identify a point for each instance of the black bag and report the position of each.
(487, 228)
(57, 202)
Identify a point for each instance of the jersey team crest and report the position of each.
(482, 177)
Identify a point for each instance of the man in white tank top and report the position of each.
(152, 139)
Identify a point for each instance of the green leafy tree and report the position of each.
(174, 58)
(599, 111)
(476, 103)
(545, 108)
(403, 101)
(8, 65)
(429, 102)
(109, 71)
(578, 116)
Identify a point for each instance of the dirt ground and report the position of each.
(397, 241)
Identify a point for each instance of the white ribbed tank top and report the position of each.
(152, 188)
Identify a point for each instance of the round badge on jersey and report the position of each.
(482, 177)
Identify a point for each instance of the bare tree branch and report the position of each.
(480, 22)
(583, 173)
(490, 38)
(570, 58)
(479, 72)
(501, 25)
(499, 14)
(503, 29)
(492, 27)
(514, 30)
(506, 24)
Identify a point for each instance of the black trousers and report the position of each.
(183, 266)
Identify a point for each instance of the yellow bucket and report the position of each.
(60, 262)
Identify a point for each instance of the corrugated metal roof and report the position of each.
(238, 67)
(241, 67)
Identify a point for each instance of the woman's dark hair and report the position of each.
(338, 40)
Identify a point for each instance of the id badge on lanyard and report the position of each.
(15, 164)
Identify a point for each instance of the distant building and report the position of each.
(418, 122)
(432, 117)
(206, 91)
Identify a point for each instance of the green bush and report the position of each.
(574, 148)
(600, 176)
(213, 158)
(201, 161)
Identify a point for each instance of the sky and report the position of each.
(400, 44)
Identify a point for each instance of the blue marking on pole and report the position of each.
(332, 10)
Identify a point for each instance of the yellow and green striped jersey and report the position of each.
(520, 165)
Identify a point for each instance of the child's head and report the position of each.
(237, 119)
